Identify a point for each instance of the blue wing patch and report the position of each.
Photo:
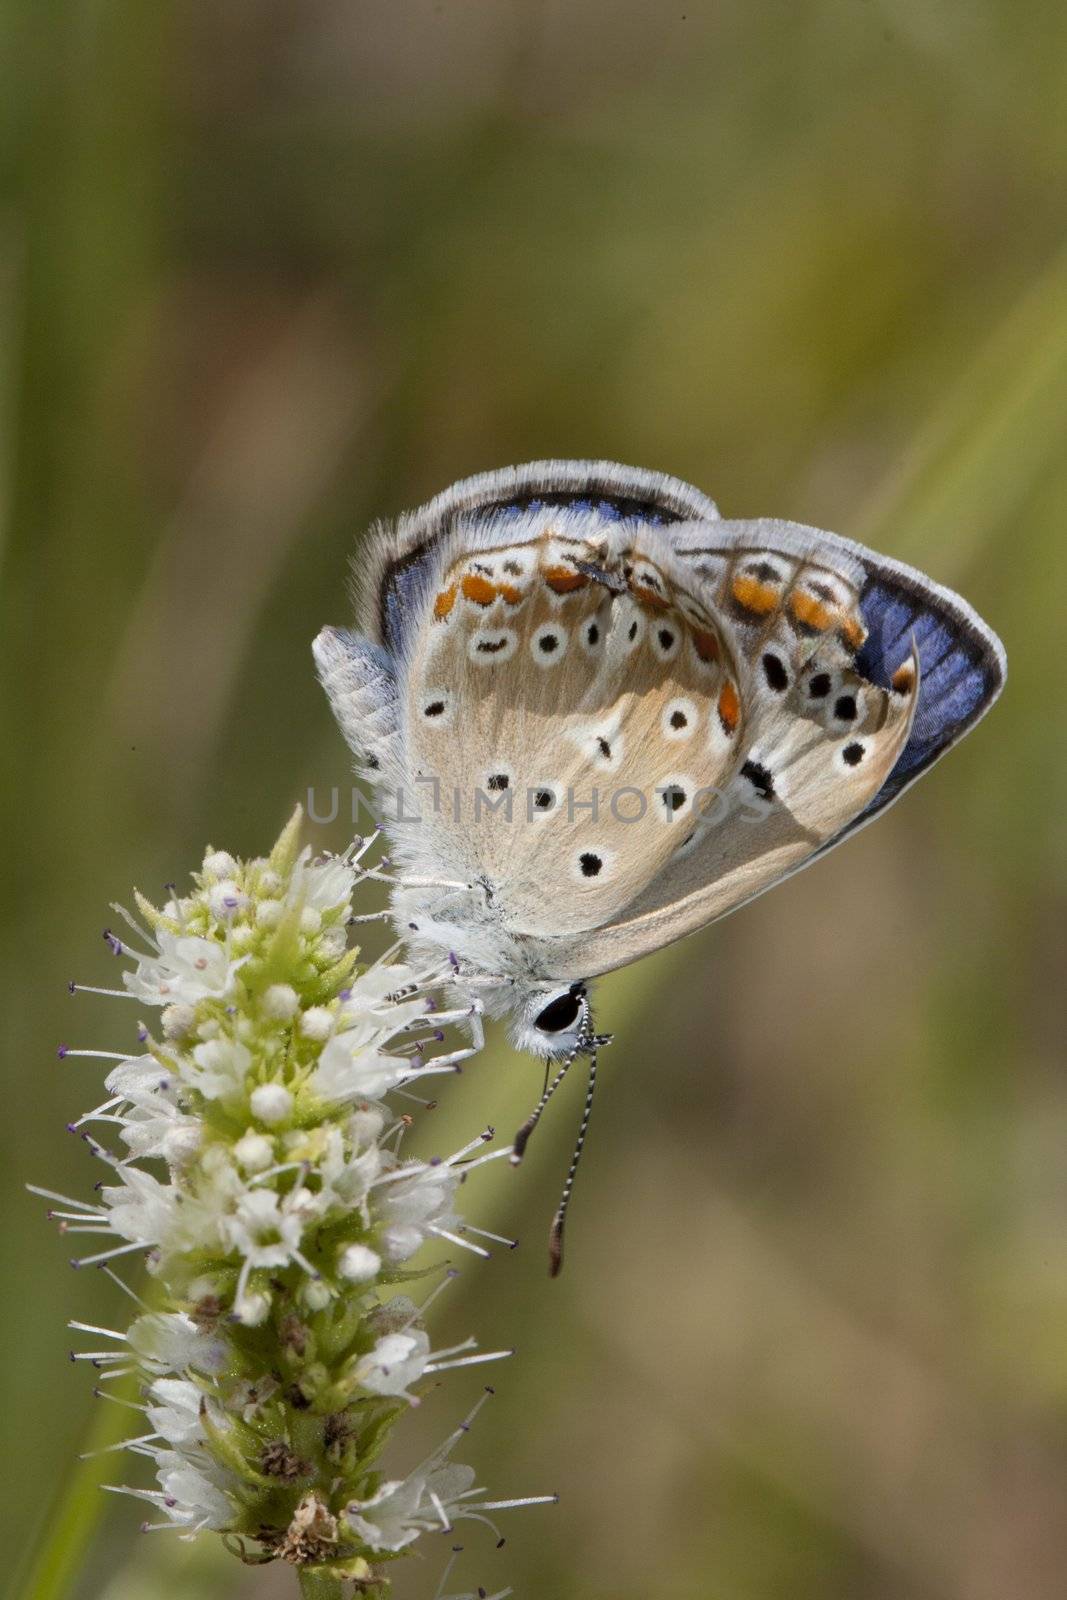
(961, 667)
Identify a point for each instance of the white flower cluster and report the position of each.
(260, 1178)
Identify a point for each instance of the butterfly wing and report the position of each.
(853, 630)
(566, 700)
(394, 575)
(397, 574)
(815, 681)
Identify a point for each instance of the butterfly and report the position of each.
(596, 716)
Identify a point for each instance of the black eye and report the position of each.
(560, 1013)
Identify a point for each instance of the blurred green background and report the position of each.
(272, 268)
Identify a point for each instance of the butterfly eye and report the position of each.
(560, 1013)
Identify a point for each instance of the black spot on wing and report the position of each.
(775, 673)
(760, 779)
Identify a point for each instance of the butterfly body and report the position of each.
(597, 716)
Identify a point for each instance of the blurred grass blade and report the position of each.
(985, 447)
(69, 1524)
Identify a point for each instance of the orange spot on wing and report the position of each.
(753, 595)
(511, 594)
(903, 679)
(853, 632)
(564, 580)
(444, 603)
(809, 611)
(649, 597)
(479, 589)
(706, 644)
(729, 707)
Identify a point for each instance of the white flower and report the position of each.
(281, 1000)
(324, 885)
(317, 1023)
(334, 941)
(187, 969)
(252, 1307)
(347, 1168)
(271, 1103)
(141, 1209)
(225, 899)
(264, 1233)
(254, 1151)
(152, 1122)
(278, 1203)
(180, 1143)
(172, 1342)
(189, 1495)
(350, 1070)
(396, 1360)
(404, 1508)
(358, 1263)
(219, 864)
(178, 1021)
(315, 1295)
(269, 913)
(175, 1413)
(219, 1068)
(409, 1208)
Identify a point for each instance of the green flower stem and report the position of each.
(318, 1585)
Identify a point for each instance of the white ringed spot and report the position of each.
(489, 646)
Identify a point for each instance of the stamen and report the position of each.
(464, 1244)
(92, 988)
(480, 1161)
(90, 1327)
(122, 1444)
(109, 1255)
(483, 1138)
(484, 1233)
(524, 1500)
(136, 1298)
(100, 1055)
(51, 1194)
(131, 922)
(420, 1311)
(468, 1361)
(439, 1508)
(118, 1400)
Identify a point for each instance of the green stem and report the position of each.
(315, 1584)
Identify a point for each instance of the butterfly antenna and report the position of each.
(518, 1148)
(555, 1237)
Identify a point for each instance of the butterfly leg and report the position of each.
(471, 1016)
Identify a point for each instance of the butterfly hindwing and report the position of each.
(879, 630)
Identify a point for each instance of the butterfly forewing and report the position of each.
(570, 703)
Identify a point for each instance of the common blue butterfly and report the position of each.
(617, 716)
